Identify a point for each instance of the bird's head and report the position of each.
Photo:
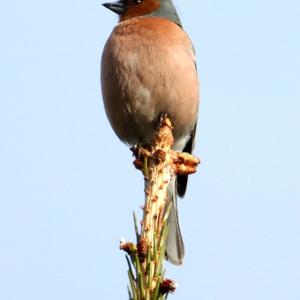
(128, 9)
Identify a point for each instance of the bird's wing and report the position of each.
(182, 180)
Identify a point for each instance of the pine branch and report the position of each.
(159, 163)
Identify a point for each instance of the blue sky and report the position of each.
(68, 187)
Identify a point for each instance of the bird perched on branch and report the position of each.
(148, 69)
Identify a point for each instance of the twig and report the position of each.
(159, 163)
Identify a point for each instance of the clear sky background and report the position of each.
(68, 187)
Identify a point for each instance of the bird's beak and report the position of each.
(117, 7)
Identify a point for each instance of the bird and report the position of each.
(148, 68)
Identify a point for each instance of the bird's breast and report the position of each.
(147, 69)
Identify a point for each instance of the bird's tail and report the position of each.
(175, 246)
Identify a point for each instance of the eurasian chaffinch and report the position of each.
(148, 69)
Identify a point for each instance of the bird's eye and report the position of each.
(138, 1)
